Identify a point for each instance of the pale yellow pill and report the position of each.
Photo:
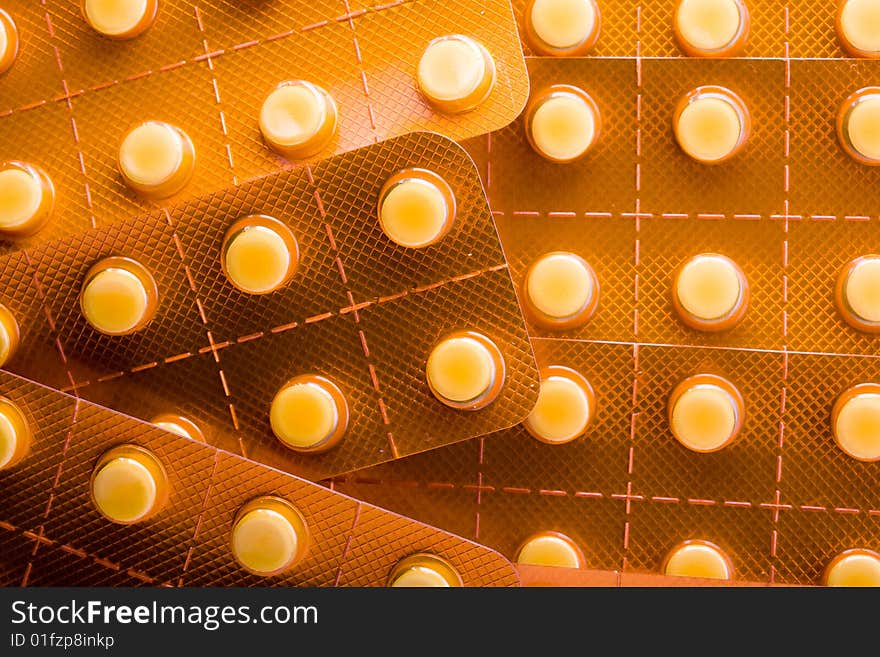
(9, 438)
(563, 24)
(8, 41)
(704, 417)
(854, 568)
(560, 285)
(118, 18)
(414, 213)
(9, 335)
(857, 426)
(15, 434)
(859, 25)
(294, 114)
(863, 126)
(124, 490)
(21, 196)
(421, 577)
(5, 344)
(709, 287)
(709, 128)
(550, 549)
(264, 541)
(698, 559)
(460, 369)
(708, 24)
(563, 127)
(862, 289)
(115, 301)
(258, 260)
(424, 570)
(175, 428)
(304, 414)
(151, 154)
(563, 410)
(179, 425)
(455, 73)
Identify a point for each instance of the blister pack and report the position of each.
(111, 110)
(96, 498)
(318, 320)
(693, 240)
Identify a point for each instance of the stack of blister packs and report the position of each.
(263, 321)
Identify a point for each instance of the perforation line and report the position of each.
(786, 182)
(60, 351)
(215, 347)
(710, 347)
(637, 219)
(198, 527)
(708, 216)
(212, 346)
(776, 506)
(79, 152)
(348, 541)
(209, 57)
(373, 379)
(40, 538)
(350, 16)
(205, 56)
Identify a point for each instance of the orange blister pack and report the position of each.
(96, 498)
(735, 425)
(804, 29)
(123, 113)
(292, 319)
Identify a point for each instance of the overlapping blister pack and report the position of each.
(694, 243)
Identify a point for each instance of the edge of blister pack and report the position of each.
(360, 310)
(52, 535)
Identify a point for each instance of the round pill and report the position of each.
(854, 568)
(455, 73)
(561, 290)
(8, 41)
(420, 577)
(858, 293)
(465, 371)
(711, 124)
(27, 198)
(259, 254)
(710, 292)
(120, 19)
(416, 208)
(858, 125)
(15, 434)
(550, 549)
(858, 26)
(298, 119)
(128, 484)
(698, 559)
(424, 571)
(119, 296)
(562, 123)
(705, 412)
(9, 335)
(268, 536)
(711, 27)
(156, 159)
(114, 301)
(179, 425)
(855, 422)
(565, 406)
(309, 413)
(562, 27)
